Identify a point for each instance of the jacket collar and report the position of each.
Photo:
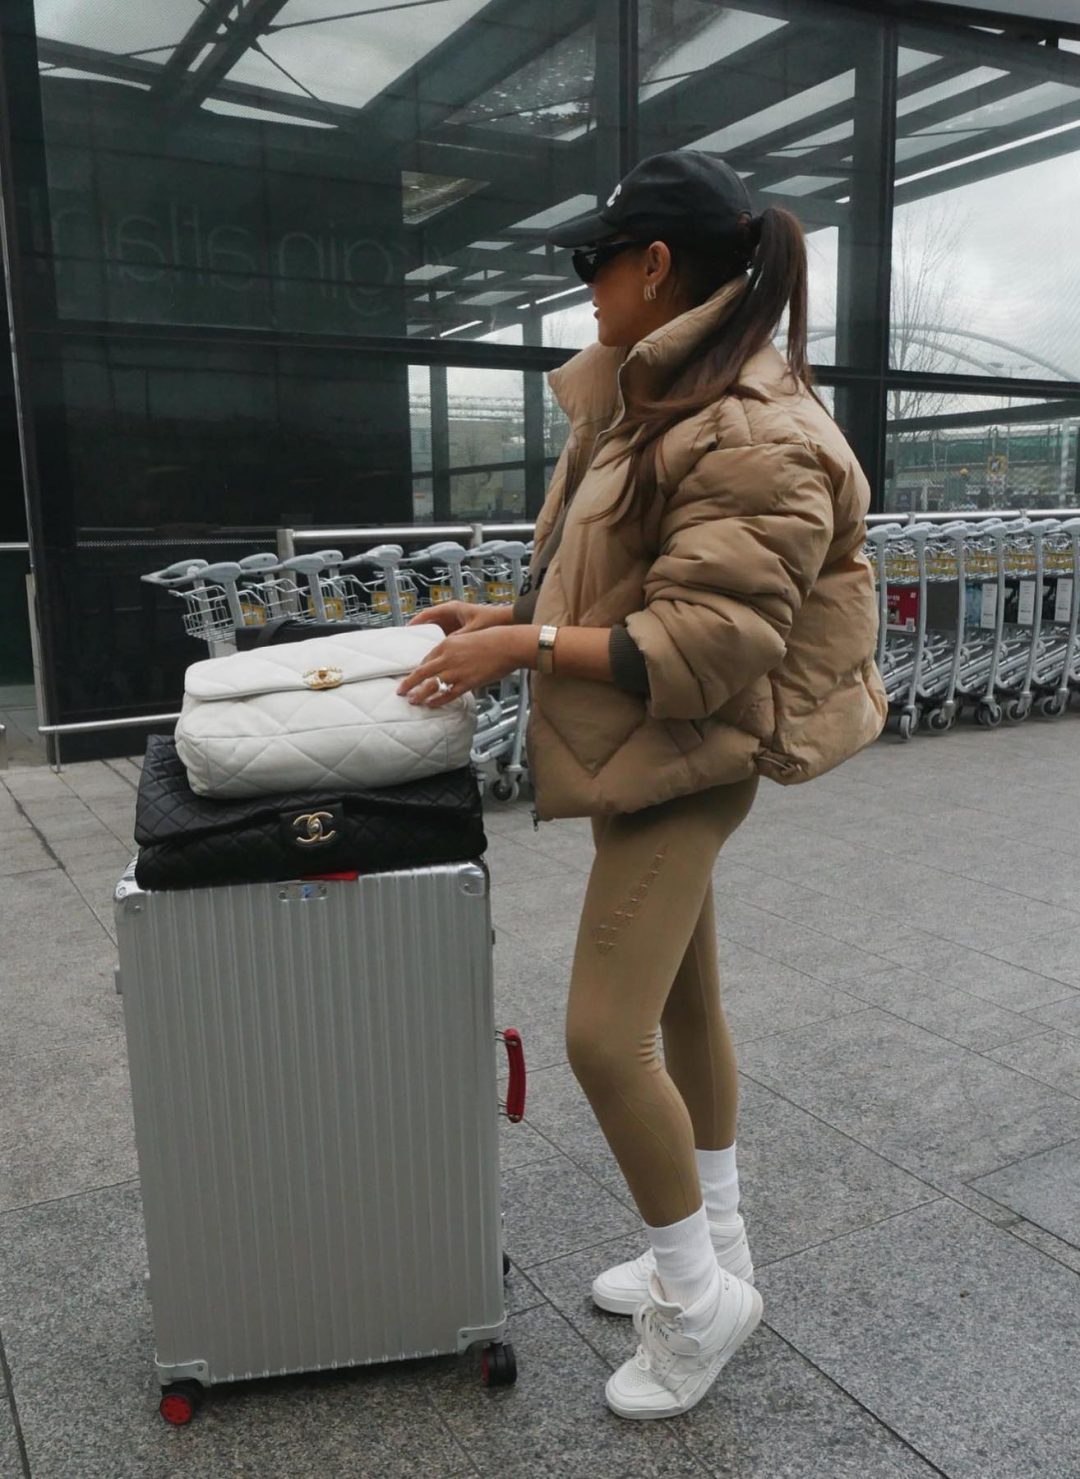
(589, 386)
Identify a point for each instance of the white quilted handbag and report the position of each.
(321, 714)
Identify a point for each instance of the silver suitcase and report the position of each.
(313, 1075)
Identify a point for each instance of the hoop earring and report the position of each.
(650, 292)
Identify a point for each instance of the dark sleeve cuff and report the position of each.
(525, 607)
(627, 663)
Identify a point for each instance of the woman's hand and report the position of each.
(468, 660)
(464, 616)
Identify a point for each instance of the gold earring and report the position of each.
(650, 292)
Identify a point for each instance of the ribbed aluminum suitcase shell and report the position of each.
(313, 1073)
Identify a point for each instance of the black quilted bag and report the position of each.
(189, 841)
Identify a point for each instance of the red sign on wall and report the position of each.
(903, 606)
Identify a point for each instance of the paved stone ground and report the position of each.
(902, 953)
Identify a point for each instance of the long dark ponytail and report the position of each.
(773, 247)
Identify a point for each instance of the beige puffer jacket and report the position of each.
(746, 590)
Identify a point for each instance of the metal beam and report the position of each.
(767, 72)
(827, 157)
(207, 28)
(244, 21)
(992, 164)
(1001, 416)
(981, 48)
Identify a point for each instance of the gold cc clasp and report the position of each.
(324, 678)
(312, 821)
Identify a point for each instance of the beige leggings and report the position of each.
(646, 957)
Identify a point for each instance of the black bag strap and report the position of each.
(269, 630)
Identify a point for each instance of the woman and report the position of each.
(700, 614)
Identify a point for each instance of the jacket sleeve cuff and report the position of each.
(628, 666)
(524, 608)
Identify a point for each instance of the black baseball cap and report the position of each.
(682, 195)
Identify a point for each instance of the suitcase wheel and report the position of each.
(180, 1401)
(498, 1365)
(506, 1265)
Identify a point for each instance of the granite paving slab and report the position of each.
(762, 996)
(11, 1464)
(959, 1337)
(803, 1182)
(530, 994)
(1064, 1014)
(803, 949)
(772, 1415)
(1055, 954)
(57, 993)
(559, 1110)
(552, 1207)
(1052, 1057)
(78, 1337)
(925, 1103)
(769, 1414)
(520, 1144)
(956, 1015)
(24, 852)
(65, 1120)
(554, 1423)
(1015, 987)
(1044, 1188)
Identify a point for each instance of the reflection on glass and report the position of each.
(679, 37)
(151, 27)
(343, 171)
(980, 452)
(982, 156)
(551, 97)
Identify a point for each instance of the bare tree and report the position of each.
(927, 304)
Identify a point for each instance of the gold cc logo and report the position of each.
(312, 822)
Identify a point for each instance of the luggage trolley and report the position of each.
(440, 575)
(900, 555)
(943, 558)
(985, 590)
(390, 593)
(1024, 568)
(1059, 656)
(214, 607)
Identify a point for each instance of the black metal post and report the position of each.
(440, 443)
(616, 92)
(24, 236)
(535, 450)
(864, 263)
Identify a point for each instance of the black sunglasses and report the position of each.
(589, 260)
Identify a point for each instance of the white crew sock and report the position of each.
(719, 1182)
(685, 1258)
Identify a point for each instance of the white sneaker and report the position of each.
(623, 1288)
(682, 1351)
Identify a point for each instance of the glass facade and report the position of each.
(283, 262)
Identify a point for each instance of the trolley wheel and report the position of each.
(908, 723)
(506, 1264)
(989, 715)
(505, 790)
(498, 1365)
(1052, 705)
(180, 1401)
(940, 721)
(1016, 710)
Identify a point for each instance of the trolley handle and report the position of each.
(514, 1107)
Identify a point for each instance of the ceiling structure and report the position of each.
(498, 112)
